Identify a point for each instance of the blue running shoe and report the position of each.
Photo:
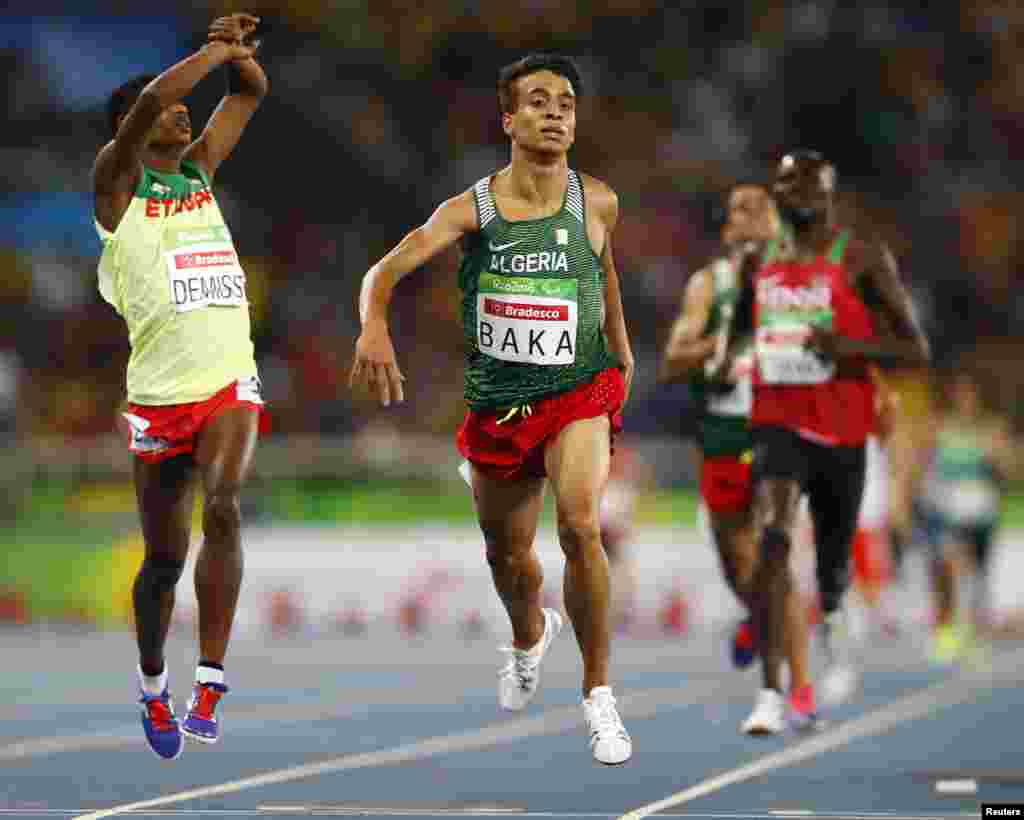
(162, 730)
(743, 649)
(200, 723)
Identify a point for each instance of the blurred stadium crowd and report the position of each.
(378, 112)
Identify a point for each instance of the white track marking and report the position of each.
(130, 734)
(320, 810)
(949, 692)
(554, 721)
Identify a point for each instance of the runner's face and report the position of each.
(173, 126)
(544, 119)
(803, 188)
(751, 215)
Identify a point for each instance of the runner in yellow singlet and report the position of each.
(170, 269)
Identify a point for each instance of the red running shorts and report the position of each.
(725, 484)
(158, 432)
(513, 450)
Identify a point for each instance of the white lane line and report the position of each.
(320, 810)
(346, 811)
(962, 786)
(93, 741)
(352, 811)
(950, 692)
(554, 721)
(131, 734)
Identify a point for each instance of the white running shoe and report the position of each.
(609, 740)
(838, 683)
(840, 678)
(519, 677)
(769, 715)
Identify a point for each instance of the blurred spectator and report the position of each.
(919, 106)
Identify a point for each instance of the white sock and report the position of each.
(207, 674)
(152, 684)
(597, 690)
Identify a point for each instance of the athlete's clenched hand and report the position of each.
(375, 366)
(233, 30)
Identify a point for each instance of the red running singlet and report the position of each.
(794, 388)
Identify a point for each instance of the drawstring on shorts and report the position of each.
(525, 410)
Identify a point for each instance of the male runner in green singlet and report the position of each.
(548, 368)
(170, 269)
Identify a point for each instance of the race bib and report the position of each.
(203, 269)
(249, 389)
(783, 359)
(529, 321)
(786, 314)
(971, 501)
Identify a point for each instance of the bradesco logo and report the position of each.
(520, 310)
(203, 259)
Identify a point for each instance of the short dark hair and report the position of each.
(810, 155)
(716, 206)
(531, 64)
(807, 155)
(124, 97)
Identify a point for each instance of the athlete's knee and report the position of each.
(504, 556)
(743, 576)
(776, 503)
(222, 514)
(578, 530)
(158, 575)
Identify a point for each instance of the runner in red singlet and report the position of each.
(825, 306)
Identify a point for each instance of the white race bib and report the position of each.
(783, 359)
(971, 501)
(738, 401)
(529, 321)
(203, 270)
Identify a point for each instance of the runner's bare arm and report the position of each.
(607, 203)
(232, 115)
(899, 338)
(375, 365)
(1003, 450)
(119, 164)
(686, 350)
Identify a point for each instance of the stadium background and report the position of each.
(377, 112)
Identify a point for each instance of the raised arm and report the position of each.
(119, 164)
(375, 364)
(685, 350)
(247, 86)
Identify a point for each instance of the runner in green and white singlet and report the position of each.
(533, 296)
(711, 345)
(548, 368)
(170, 269)
(962, 502)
